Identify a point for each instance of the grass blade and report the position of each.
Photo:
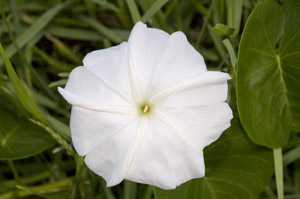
(33, 30)
(153, 10)
(17, 24)
(103, 30)
(74, 33)
(65, 50)
(60, 127)
(106, 5)
(234, 14)
(22, 94)
(231, 52)
(134, 12)
(211, 7)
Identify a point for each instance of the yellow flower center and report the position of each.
(145, 108)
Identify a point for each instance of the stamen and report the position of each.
(146, 108)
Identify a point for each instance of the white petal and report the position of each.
(166, 159)
(111, 65)
(206, 88)
(205, 122)
(146, 47)
(110, 158)
(89, 128)
(161, 59)
(180, 61)
(85, 88)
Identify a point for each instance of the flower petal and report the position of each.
(146, 47)
(109, 159)
(89, 89)
(205, 122)
(90, 128)
(111, 65)
(165, 159)
(162, 60)
(206, 88)
(180, 61)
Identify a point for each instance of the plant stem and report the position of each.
(26, 180)
(14, 171)
(212, 5)
(278, 172)
(44, 189)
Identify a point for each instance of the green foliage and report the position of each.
(22, 94)
(223, 30)
(268, 75)
(232, 163)
(32, 32)
(20, 138)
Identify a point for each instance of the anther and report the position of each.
(146, 108)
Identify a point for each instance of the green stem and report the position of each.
(26, 180)
(14, 171)
(278, 172)
(56, 136)
(212, 5)
(46, 188)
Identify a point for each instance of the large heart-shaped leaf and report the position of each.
(235, 168)
(268, 75)
(20, 138)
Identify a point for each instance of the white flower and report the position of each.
(145, 109)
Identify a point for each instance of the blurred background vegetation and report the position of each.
(45, 40)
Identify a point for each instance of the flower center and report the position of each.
(145, 108)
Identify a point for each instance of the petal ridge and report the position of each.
(108, 159)
(171, 122)
(73, 98)
(135, 82)
(112, 88)
(87, 132)
(111, 65)
(179, 61)
(162, 94)
(200, 79)
(138, 138)
(145, 48)
(113, 134)
(88, 85)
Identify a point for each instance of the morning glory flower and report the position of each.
(144, 110)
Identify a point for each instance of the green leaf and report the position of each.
(235, 168)
(223, 30)
(33, 30)
(20, 138)
(268, 73)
